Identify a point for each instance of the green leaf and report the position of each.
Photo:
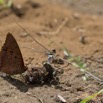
(2, 2)
(92, 96)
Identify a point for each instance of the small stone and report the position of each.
(62, 99)
(23, 35)
(76, 16)
(82, 39)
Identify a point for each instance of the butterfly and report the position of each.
(11, 60)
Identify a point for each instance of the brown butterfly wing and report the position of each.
(11, 60)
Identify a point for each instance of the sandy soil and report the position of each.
(48, 17)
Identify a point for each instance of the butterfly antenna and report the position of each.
(33, 38)
(34, 49)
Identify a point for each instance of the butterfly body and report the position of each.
(11, 60)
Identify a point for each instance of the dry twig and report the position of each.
(33, 95)
(54, 32)
(86, 72)
(62, 99)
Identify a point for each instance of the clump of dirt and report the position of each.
(48, 18)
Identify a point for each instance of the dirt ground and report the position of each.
(42, 22)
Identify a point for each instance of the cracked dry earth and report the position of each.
(48, 17)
